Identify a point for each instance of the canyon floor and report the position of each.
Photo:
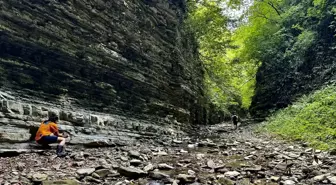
(214, 154)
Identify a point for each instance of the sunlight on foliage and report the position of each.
(310, 119)
(284, 40)
(230, 78)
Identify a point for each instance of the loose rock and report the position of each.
(165, 167)
(102, 172)
(288, 182)
(211, 164)
(38, 177)
(319, 178)
(184, 178)
(158, 175)
(332, 179)
(135, 162)
(232, 174)
(134, 154)
(85, 171)
(275, 179)
(149, 167)
(131, 172)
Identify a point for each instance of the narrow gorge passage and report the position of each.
(212, 155)
(144, 89)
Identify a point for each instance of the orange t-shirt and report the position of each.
(46, 129)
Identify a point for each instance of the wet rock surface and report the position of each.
(245, 159)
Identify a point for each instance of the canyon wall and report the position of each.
(110, 69)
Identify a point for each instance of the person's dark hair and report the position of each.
(53, 118)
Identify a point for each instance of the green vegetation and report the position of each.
(280, 50)
(295, 42)
(230, 78)
(311, 119)
(267, 61)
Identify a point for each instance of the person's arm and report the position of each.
(54, 130)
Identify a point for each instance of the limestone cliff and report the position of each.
(105, 66)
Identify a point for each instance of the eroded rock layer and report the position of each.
(98, 61)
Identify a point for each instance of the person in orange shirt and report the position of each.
(48, 133)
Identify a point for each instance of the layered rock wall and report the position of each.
(20, 121)
(108, 68)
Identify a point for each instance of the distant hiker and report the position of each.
(235, 121)
(48, 133)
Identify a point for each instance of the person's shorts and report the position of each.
(47, 140)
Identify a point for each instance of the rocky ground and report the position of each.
(213, 155)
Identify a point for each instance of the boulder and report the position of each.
(85, 171)
(231, 174)
(288, 182)
(211, 164)
(39, 177)
(135, 162)
(131, 172)
(332, 179)
(162, 153)
(134, 154)
(275, 178)
(184, 178)
(319, 178)
(149, 167)
(102, 172)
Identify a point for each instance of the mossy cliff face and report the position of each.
(108, 68)
(126, 57)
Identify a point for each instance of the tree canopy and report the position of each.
(230, 78)
(274, 49)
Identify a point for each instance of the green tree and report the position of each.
(229, 78)
(293, 41)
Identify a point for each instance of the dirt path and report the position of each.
(213, 155)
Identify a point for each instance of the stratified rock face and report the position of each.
(276, 90)
(130, 59)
